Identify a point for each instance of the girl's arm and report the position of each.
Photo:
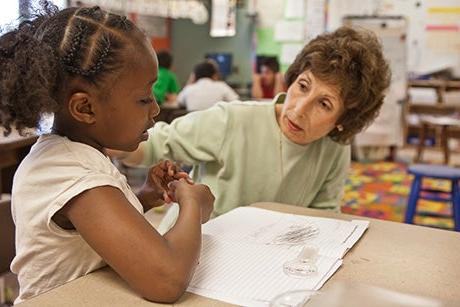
(191, 139)
(159, 268)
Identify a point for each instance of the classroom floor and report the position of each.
(380, 190)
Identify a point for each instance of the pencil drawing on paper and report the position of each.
(282, 234)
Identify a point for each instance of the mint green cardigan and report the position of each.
(238, 150)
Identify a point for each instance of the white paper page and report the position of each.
(289, 30)
(242, 259)
(361, 227)
(260, 226)
(248, 271)
(329, 274)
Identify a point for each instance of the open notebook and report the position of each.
(242, 255)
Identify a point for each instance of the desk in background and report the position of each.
(169, 112)
(13, 149)
(407, 258)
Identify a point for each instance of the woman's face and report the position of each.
(310, 111)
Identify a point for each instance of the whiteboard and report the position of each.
(387, 129)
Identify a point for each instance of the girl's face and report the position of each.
(127, 112)
(310, 111)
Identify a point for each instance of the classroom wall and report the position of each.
(190, 42)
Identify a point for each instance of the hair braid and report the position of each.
(100, 61)
(41, 55)
(71, 55)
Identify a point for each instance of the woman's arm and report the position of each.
(159, 268)
(191, 139)
(331, 193)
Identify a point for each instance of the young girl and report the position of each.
(73, 210)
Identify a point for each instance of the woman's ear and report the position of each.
(81, 108)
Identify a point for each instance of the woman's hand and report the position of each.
(187, 194)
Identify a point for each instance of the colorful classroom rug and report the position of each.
(380, 190)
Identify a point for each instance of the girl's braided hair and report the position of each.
(41, 55)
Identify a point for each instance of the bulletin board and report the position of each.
(433, 29)
(387, 129)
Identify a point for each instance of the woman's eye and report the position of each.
(303, 86)
(324, 105)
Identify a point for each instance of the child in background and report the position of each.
(293, 150)
(206, 89)
(73, 210)
(269, 82)
(166, 87)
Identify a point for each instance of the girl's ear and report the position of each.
(81, 108)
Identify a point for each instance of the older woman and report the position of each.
(293, 150)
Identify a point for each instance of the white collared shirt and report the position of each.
(205, 93)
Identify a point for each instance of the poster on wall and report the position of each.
(223, 18)
(289, 52)
(289, 31)
(433, 35)
(294, 9)
(315, 18)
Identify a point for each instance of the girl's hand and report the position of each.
(193, 195)
(161, 174)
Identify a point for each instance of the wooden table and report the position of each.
(406, 258)
(13, 149)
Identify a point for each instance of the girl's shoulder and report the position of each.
(54, 150)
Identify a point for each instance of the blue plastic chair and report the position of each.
(439, 172)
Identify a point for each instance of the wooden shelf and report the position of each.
(439, 108)
(441, 86)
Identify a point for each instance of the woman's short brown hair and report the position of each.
(352, 61)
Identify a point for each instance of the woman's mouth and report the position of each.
(292, 126)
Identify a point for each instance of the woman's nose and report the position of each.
(303, 105)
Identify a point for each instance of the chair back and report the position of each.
(7, 235)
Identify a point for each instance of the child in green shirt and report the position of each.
(166, 87)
